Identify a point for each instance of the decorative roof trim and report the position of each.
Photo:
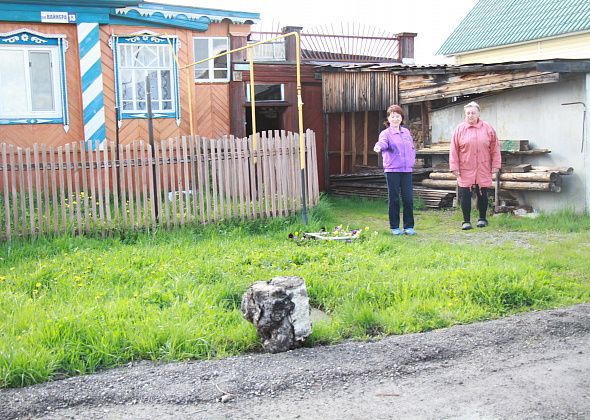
(182, 15)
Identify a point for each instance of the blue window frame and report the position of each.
(33, 78)
(138, 57)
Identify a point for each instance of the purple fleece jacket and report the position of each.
(398, 150)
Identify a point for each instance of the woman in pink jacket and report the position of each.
(474, 156)
(399, 156)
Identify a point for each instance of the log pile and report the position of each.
(434, 198)
(367, 182)
(536, 179)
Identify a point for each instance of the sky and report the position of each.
(433, 20)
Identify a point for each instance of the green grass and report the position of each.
(76, 305)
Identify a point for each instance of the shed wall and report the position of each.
(536, 114)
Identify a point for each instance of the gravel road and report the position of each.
(532, 365)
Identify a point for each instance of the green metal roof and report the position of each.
(493, 23)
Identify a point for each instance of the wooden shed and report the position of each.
(433, 97)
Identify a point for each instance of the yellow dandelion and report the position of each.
(37, 284)
(366, 227)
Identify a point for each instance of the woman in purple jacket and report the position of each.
(399, 156)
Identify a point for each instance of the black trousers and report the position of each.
(465, 200)
(396, 182)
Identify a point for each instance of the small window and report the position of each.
(31, 79)
(214, 70)
(137, 63)
(265, 92)
(146, 56)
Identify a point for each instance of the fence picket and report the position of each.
(54, 190)
(76, 201)
(130, 199)
(165, 183)
(39, 203)
(107, 189)
(219, 175)
(30, 194)
(46, 187)
(178, 185)
(187, 187)
(62, 189)
(21, 188)
(99, 190)
(200, 175)
(251, 179)
(144, 182)
(5, 175)
(92, 189)
(226, 176)
(193, 175)
(136, 184)
(153, 199)
(314, 169)
(114, 174)
(239, 172)
(214, 179)
(85, 175)
(68, 175)
(121, 180)
(206, 177)
(290, 171)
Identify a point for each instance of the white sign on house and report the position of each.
(55, 17)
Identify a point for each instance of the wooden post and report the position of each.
(353, 156)
(366, 140)
(497, 193)
(326, 151)
(342, 133)
(426, 140)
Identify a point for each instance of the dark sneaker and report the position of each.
(466, 226)
(482, 223)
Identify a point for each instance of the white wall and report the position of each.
(535, 113)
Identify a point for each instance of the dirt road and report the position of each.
(533, 365)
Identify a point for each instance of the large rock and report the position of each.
(280, 311)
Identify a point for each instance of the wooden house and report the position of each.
(505, 30)
(76, 70)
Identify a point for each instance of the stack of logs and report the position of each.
(520, 178)
(434, 198)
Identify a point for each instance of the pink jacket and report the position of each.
(475, 153)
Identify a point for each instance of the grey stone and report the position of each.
(280, 311)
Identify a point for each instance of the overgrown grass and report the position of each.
(76, 305)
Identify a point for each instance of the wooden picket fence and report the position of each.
(69, 189)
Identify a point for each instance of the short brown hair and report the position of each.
(398, 110)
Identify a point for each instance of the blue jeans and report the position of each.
(397, 181)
